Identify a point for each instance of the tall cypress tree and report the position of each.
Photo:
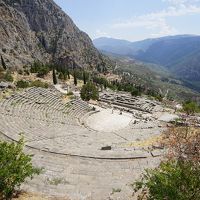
(54, 77)
(84, 77)
(75, 78)
(68, 74)
(65, 76)
(3, 63)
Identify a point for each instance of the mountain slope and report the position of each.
(178, 54)
(40, 30)
(121, 47)
(115, 46)
(154, 77)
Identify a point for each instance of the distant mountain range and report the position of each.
(179, 54)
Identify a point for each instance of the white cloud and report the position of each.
(179, 2)
(100, 33)
(157, 21)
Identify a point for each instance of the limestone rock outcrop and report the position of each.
(39, 30)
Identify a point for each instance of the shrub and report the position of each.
(61, 76)
(116, 190)
(1, 76)
(159, 97)
(173, 180)
(190, 107)
(39, 83)
(40, 68)
(89, 91)
(177, 178)
(1, 69)
(70, 93)
(22, 84)
(135, 92)
(15, 167)
(183, 143)
(8, 77)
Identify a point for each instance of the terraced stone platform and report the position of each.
(65, 141)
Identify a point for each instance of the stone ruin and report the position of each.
(89, 162)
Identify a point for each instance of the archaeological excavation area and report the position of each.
(88, 151)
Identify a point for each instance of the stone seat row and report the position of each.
(51, 109)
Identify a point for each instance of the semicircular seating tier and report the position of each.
(49, 124)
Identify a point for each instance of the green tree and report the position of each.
(84, 77)
(65, 76)
(68, 74)
(55, 81)
(38, 83)
(178, 177)
(190, 107)
(105, 84)
(3, 63)
(75, 78)
(15, 167)
(8, 77)
(172, 180)
(135, 92)
(22, 84)
(89, 91)
(61, 76)
(40, 68)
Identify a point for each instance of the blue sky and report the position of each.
(134, 19)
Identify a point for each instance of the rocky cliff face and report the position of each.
(39, 30)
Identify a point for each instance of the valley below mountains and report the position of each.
(179, 55)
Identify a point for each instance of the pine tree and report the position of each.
(3, 63)
(54, 77)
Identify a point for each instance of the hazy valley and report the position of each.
(179, 55)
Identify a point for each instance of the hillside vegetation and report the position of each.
(179, 55)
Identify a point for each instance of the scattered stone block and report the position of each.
(106, 148)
